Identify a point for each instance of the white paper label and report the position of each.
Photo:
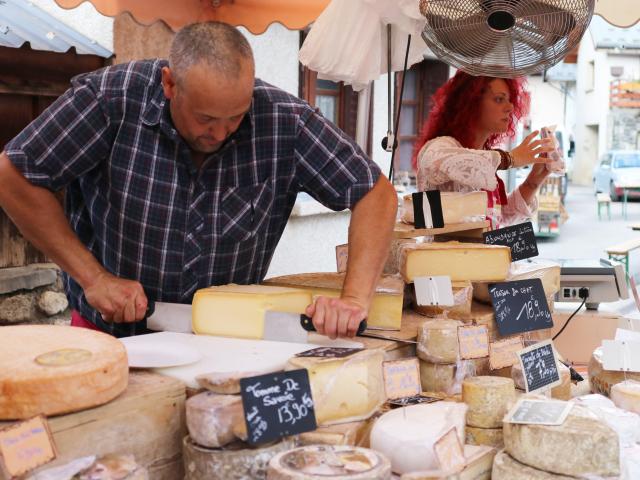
(621, 355)
(434, 291)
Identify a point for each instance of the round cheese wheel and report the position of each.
(438, 341)
(236, 461)
(488, 399)
(507, 468)
(52, 369)
(447, 378)
(601, 380)
(626, 395)
(490, 437)
(211, 418)
(318, 462)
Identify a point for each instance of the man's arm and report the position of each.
(40, 218)
(370, 232)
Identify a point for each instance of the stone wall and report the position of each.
(624, 125)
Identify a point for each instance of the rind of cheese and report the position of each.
(479, 461)
(457, 207)
(238, 310)
(406, 435)
(488, 399)
(447, 378)
(460, 261)
(461, 308)
(626, 395)
(594, 446)
(392, 265)
(211, 418)
(225, 383)
(344, 389)
(490, 437)
(355, 434)
(438, 341)
(507, 468)
(385, 312)
(61, 383)
(234, 462)
(560, 392)
(601, 380)
(319, 462)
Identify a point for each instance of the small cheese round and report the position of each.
(447, 378)
(626, 395)
(601, 380)
(438, 341)
(488, 399)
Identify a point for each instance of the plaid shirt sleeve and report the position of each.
(68, 139)
(329, 165)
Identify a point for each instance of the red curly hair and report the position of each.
(456, 108)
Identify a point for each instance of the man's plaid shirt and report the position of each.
(136, 200)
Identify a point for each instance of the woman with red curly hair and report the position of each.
(455, 153)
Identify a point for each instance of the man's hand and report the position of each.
(118, 300)
(336, 317)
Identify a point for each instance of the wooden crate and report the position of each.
(147, 420)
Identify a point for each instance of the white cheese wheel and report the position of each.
(626, 395)
(237, 461)
(490, 437)
(50, 370)
(447, 378)
(601, 380)
(438, 341)
(507, 468)
(593, 445)
(406, 435)
(488, 399)
(211, 418)
(319, 462)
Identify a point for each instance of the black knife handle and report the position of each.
(307, 324)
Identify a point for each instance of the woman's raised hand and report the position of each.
(531, 151)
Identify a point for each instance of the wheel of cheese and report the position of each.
(447, 378)
(490, 437)
(319, 462)
(236, 461)
(593, 445)
(212, 418)
(50, 370)
(601, 380)
(488, 399)
(438, 341)
(626, 395)
(507, 468)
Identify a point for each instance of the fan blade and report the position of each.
(468, 37)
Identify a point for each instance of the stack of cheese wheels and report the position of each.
(320, 462)
(441, 369)
(488, 400)
(601, 380)
(560, 392)
(583, 446)
(50, 370)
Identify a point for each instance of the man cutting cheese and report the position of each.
(182, 174)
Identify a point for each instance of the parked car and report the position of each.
(617, 169)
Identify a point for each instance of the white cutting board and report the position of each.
(222, 354)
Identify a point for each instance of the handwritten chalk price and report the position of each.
(520, 306)
(401, 378)
(473, 341)
(26, 446)
(540, 366)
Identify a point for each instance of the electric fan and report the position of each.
(504, 38)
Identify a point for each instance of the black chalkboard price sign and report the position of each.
(539, 366)
(519, 238)
(520, 306)
(277, 405)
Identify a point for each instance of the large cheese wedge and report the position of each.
(461, 308)
(457, 207)
(385, 311)
(488, 399)
(325, 462)
(438, 341)
(461, 261)
(478, 463)
(344, 389)
(594, 446)
(406, 435)
(601, 380)
(447, 378)
(49, 369)
(211, 418)
(507, 468)
(235, 461)
(626, 395)
(546, 270)
(238, 310)
(560, 392)
(490, 437)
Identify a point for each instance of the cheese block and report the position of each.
(460, 261)
(457, 207)
(507, 468)
(323, 462)
(211, 418)
(478, 463)
(626, 395)
(447, 378)
(601, 380)
(438, 341)
(226, 383)
(385, 311)
(344, 389)
(560, 392)
(236, 461)
(488, 399)
(490, 437)
(594, 446)
(238, 310)
(406, 435)
(546, 270)
(392, 264)
(50, 370)
(355, 434)
(461, 308)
